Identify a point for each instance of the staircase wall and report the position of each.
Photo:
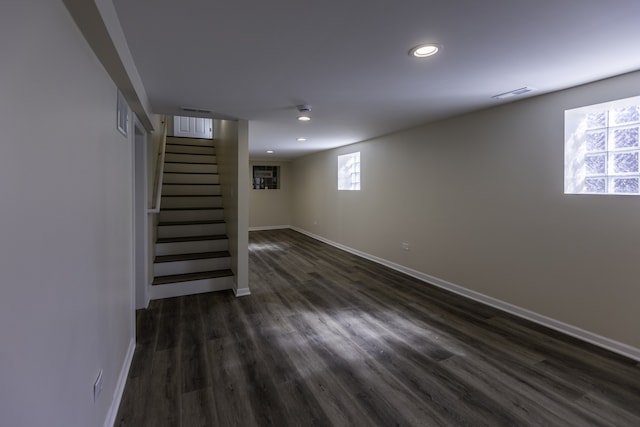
(232, 150)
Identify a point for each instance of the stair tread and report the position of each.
(175, 278)
(193, 222)
(179, 140)
(190, 209)
(188, 183)
(188, 137)
(189, 145)
(171, 148)
(191, 238)
(191, 163)
(192, 256)
(190, 173)
(189, 154)
(192, 195)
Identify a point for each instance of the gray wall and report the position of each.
(271, 208)
(480, 200)
(66, 305)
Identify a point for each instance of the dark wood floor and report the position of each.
(330, 339)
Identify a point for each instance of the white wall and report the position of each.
(480, 200)
(232, 153)
(271, 208)
(65, 223)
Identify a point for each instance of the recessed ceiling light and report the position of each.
(269, 151)
(304, 118)
(424, 50)
(301, 139)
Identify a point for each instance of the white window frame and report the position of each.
(602, 148)
(349, 172)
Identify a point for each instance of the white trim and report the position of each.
(270, 227)
(590, 337)
(159, 175)
(140, 217)
(241, 292)
(110, 420)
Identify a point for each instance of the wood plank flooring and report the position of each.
(331, 339)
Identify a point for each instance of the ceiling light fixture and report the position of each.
(304, 110)
(269, 151)
(425, 50)
(301, 139)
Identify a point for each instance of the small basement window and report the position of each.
(266, 177)
(602, 148)
(349, 171)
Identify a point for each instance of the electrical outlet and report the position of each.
(97, 386)
(405, 246)
(315, 222)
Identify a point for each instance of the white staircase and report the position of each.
(192, 247)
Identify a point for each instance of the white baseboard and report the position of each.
(600, 341)
(122, 381)
(241, 292)
(269, 227)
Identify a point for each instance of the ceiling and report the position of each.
(257, 60)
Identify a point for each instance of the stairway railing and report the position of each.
(155, 205)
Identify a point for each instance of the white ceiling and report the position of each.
(348, 59)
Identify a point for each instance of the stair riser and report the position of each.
(176, 190)
(189, 149)
(191, 266)
(191, 288)
(191, 230)
(191, 202)
(190, 167)
(189, 158)
(176, 248)
(195, 215)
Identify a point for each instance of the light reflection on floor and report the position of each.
(339, 332)
(266, 247)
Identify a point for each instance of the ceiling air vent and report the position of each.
(516, 92)
(195, 110)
